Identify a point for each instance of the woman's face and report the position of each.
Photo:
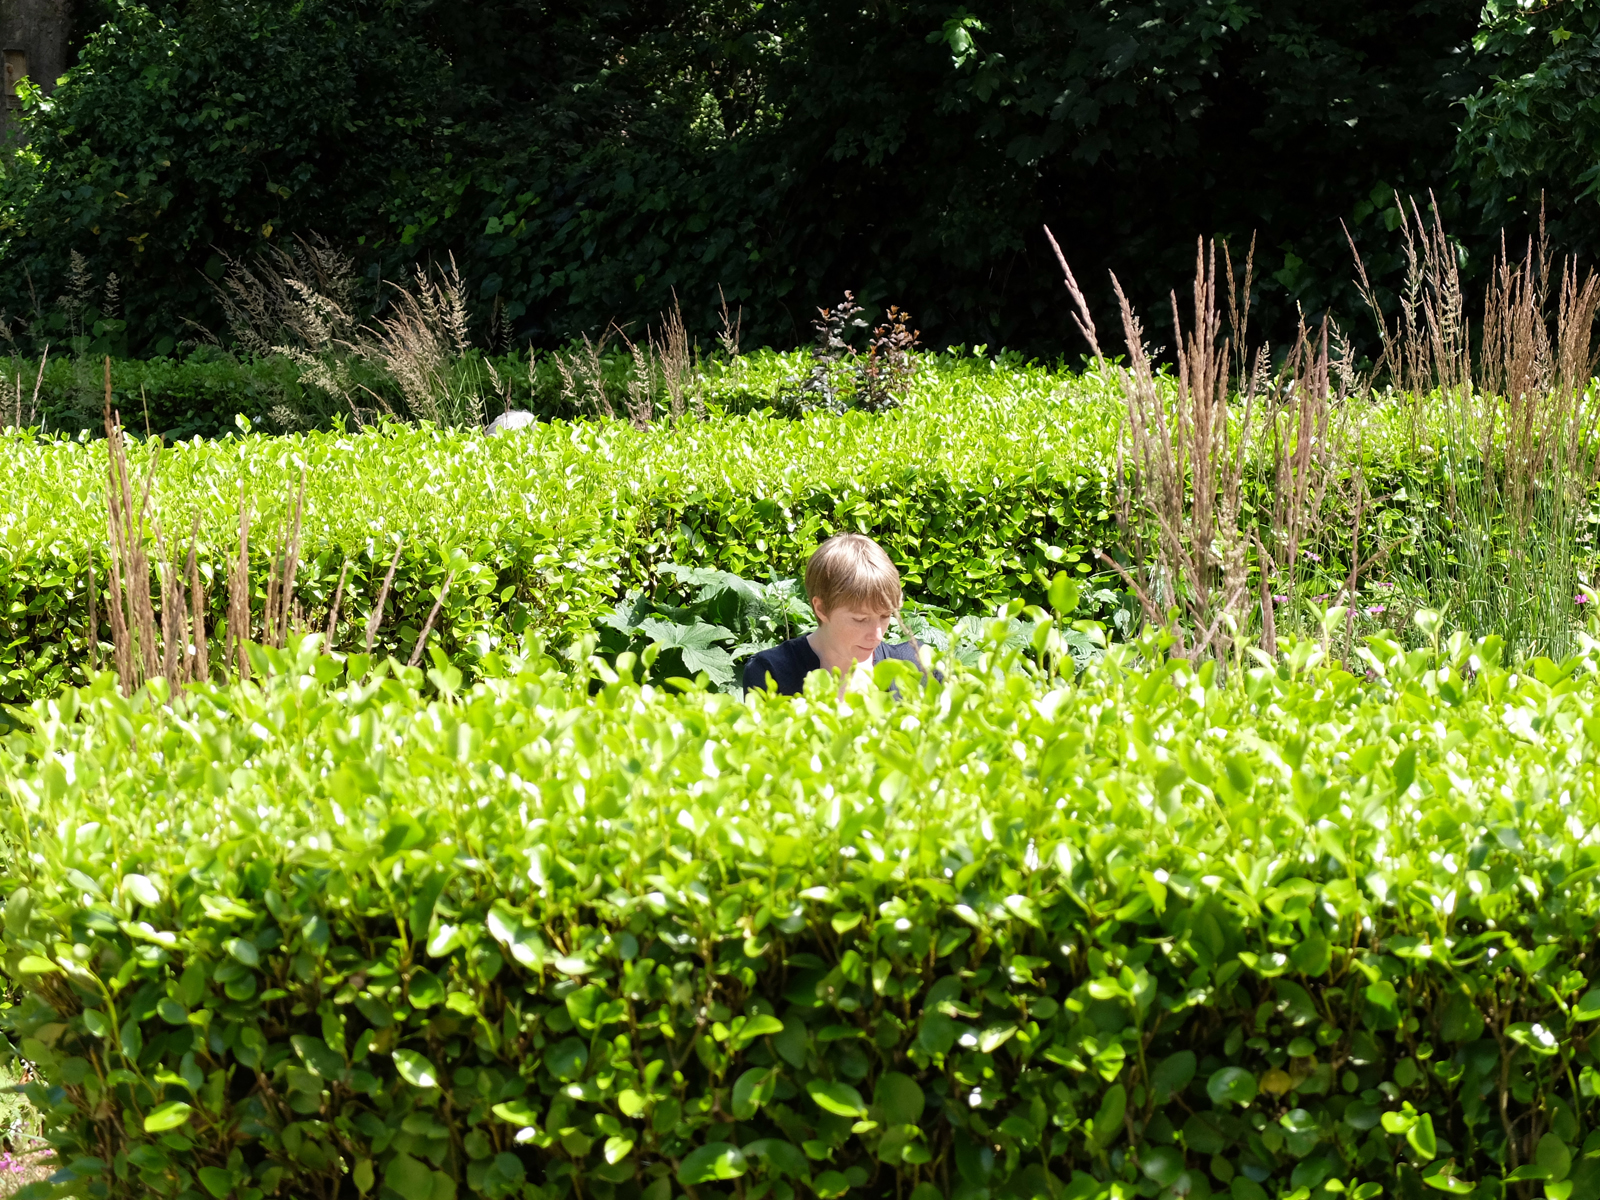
(857, 631)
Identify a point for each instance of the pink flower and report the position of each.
(1280, 599)
(1321, 598)
(1374, 610)
(1313, 557)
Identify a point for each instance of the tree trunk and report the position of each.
(35, 37)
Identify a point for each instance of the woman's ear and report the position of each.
(816, 607)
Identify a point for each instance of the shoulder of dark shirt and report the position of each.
(778, 662)
(903, 651)
(758, 670)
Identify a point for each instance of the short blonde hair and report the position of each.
(852, 571)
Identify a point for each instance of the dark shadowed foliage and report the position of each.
(585, 160)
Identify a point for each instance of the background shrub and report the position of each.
(585, 162)
(186, 130)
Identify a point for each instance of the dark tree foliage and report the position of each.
(586, 160)
(188, 132)
(912, 152)
(1532, 139)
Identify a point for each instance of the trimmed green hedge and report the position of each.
(1307, 936)
(180, 398)
(981, 490)
(203, 393)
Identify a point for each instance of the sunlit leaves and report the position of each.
(167, 1116)
(415, 1069)
(838, 1098)
(617, 925)
(716, 1161)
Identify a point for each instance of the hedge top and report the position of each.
(971, 423)
(968, 423)
(1394, 798)
(998, 937)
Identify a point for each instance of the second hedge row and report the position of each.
(980, 493)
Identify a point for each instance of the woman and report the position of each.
(855, 591)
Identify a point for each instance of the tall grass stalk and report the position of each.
(21, 418)
(671, 350)
(1187, 448)
(413, 357)
(1230, 469)
(163, 635)
(421, 345)
(176, 648)
(1512, 430)
(583, 381)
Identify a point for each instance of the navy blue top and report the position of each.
(789, 664)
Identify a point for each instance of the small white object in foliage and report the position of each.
(516, 419)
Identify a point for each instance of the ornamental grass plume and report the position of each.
(421, 344)
(177, 650)
(1516, 427)
(1190, 439)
